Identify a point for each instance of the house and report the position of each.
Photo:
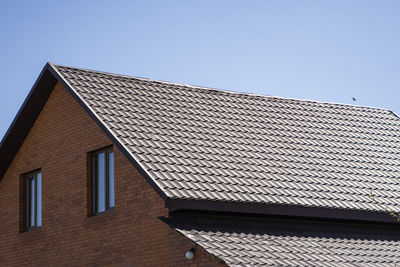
(99, 169)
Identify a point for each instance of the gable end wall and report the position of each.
(131, 235)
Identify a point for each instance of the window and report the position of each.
(102, 170)
(32, 200)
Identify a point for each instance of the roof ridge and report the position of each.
(236, 93)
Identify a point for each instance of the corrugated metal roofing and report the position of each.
(199, 143)
(242, 241)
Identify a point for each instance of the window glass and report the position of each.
(111, 178)
(39, 199)
(101, 194)
(27, 204)
(33, 200)
(32, 204)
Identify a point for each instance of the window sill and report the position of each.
(110, 210)
(32, 229)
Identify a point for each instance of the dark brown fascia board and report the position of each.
(25, 118)
(31, 109)
(277, 210)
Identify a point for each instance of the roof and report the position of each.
(250, 241)
(214, 146)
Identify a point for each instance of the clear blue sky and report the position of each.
(330, 50)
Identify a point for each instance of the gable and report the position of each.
(31, 109)
(228, 149)
(59, 144)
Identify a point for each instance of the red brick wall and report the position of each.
(132, 235)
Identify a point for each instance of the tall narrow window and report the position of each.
(102, 180)
(33, 200)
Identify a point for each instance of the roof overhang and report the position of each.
(26, 117)
(277, 210)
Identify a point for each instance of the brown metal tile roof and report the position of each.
(207, 144)
(241, 241)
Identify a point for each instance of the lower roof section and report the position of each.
(252, 241)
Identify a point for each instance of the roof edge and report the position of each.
(25, 103)
(26, 117)
(278, 210)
